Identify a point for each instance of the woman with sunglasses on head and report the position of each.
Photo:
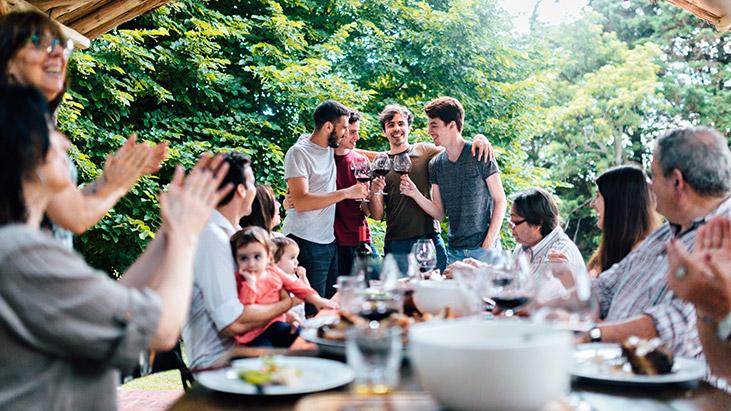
(625, 212)
(34, 52)
(64, 327)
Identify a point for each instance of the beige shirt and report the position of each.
(64, 327)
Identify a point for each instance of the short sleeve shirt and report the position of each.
(404, 218)
(348, 215)
(465, 196)
(65, 327)
(316, 164)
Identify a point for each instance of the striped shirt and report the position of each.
(555, 240)
(637, 286)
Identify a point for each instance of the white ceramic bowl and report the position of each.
(433, 296)
(507, 365)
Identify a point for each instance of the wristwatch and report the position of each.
(595, 335)
(724, 328)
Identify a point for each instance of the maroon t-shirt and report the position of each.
(348, 217)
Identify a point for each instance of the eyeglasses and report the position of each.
(513, 224)
(48, 43)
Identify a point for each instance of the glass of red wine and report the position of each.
(565, 297)
(362, 172)
(425, 254)
(381, 166)
(402, 163)
(512, 285)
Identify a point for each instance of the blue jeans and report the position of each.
(404, 247)
(278, 334)
(321, 263)
(459, 254)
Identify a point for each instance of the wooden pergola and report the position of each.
(716, 12)
(83, 20)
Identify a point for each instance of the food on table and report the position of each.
(648, 357)
(271, 374)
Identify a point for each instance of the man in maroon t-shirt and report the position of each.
(348, 214)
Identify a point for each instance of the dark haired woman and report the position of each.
(625, 214)
(264, 211)
(34, 52)
(64, 327)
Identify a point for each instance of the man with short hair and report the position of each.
(309, 169)
(216, 314)
(406, 221)
(535, 224)
(349, 215)
(691, 180)
(468, 192)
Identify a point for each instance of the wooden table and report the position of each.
(695, 397)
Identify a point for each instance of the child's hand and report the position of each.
(302, 274)
(325, 304)
(294, 321)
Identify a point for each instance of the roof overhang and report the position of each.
(716, 12)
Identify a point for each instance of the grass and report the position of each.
(166, 380)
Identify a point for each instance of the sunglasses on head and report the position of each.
(48, 43)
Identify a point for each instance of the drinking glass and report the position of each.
(375, 355)
(361, 171)
(402, 163)
(350, 293)
(425, 254)
(512, 285)
(565, 296)
(381, 166)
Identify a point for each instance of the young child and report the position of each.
(259, 282)
(286, 252)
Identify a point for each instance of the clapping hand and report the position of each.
(187, 204)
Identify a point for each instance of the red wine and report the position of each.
(502, 282)
(363, 179)
(510, 303)
(402, 172)
(376, 311)
(381, 172)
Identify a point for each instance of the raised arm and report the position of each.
(303, 200)
(432, 207)
(500, 205)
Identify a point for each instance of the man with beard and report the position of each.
(309, 169)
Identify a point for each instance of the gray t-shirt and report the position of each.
(316, 164)
(65, 327)
(466, 199)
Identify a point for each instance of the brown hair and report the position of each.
(281, 244)
(16, 29)
(447, 109)
(262, 209)
(388, 113)
(250, 235)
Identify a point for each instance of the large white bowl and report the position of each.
(508, 365)
(433, 296)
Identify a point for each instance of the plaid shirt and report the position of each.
(638, 285)
(555, 240)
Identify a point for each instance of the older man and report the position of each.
(534, 222)
(691, 179)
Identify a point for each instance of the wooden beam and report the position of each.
(80, 41)
(114, 14)
(712, 11)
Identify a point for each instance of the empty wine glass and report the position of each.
(361, 171)
(425, 254)
(566, 297)
(512, 284)
(381, 166)
(402, 163)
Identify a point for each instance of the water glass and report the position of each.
(565, 296)
(350, 293)
(425, 254)
(375, 355)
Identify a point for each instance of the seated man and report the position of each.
(703, 278)
(534, 222)
(691, 179)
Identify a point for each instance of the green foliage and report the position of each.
(245, 75)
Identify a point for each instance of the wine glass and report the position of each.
(361, 171)
(512, 284)
(566, 297)
(381, 166)
(425, 254)
(402, 163)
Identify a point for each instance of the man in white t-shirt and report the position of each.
(309, 169)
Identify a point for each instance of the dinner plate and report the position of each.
(317, 375)
(332, 347)
(600, 362)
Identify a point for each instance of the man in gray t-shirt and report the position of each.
(467, 191)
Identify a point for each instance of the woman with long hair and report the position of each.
(625, 213)
(264, 210)
(64, 326)
(34, 52)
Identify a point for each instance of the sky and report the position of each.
(550, 11)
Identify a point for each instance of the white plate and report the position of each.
(317, 375)
(594, 362)
(327, 346)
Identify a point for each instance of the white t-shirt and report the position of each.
(317, 165)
